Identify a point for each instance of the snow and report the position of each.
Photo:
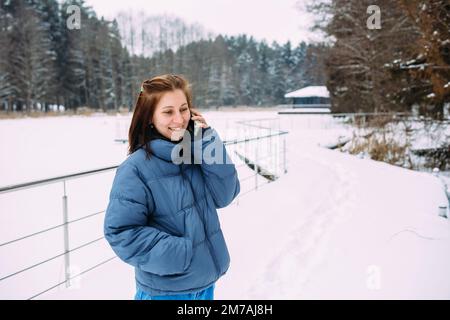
(333, 227)
(345, 216)
(39, 148)
(311, 91)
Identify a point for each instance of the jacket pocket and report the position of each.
(173, 224)
(220, 251)
(200, 272)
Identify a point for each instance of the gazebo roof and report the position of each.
(311, 91)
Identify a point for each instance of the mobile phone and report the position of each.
(197, 128)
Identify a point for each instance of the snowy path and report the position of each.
(291, 226)
(323, 232)
(308, 241)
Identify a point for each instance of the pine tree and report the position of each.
(213, 91)
(129, 91)
(227, 88)
(299, 73)
(72, 62)
(116, 60)
(262, 80)
(6, 88)
(106, 80)
(277, 75)
(32, 59)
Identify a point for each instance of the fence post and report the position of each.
(284, 154)
(246, 144)
(278, 147)
(235, 148)
(270, 155)
(255, 165)
(443, 207)
(66, 238)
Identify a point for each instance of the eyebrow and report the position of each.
(172, 106)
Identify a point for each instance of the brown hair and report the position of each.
(151, 92)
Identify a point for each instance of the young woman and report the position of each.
(162, 216)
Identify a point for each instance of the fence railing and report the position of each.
(65, 225)
(253, 162)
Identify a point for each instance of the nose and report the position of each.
(177, 118)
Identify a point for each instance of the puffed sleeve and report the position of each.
(127, 231)
(219, 171)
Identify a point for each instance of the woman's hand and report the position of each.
(198, 118)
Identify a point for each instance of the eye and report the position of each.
(168, 112)
(183, 110)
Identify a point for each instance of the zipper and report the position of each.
(210, 248)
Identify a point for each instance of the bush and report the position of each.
(411, 144)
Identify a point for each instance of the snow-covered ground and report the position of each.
(333, 226)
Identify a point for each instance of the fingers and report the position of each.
(200, 121)
(194, 112)
(196, 116)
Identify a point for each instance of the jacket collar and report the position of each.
(162, 148)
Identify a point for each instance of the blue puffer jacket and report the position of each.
(162, 218)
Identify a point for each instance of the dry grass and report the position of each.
(383, 147)
(391, 141)
(83, 111)
(373, 121)
(35, 114)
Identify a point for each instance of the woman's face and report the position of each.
(172, 114)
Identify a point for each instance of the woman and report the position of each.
(162, 216)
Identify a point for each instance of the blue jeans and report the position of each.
(206, 294)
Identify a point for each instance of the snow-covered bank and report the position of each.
(411, 143)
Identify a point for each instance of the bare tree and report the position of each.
(145, 35)
(432, 66)
(358, 77)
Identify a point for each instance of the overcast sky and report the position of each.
(278, 20)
